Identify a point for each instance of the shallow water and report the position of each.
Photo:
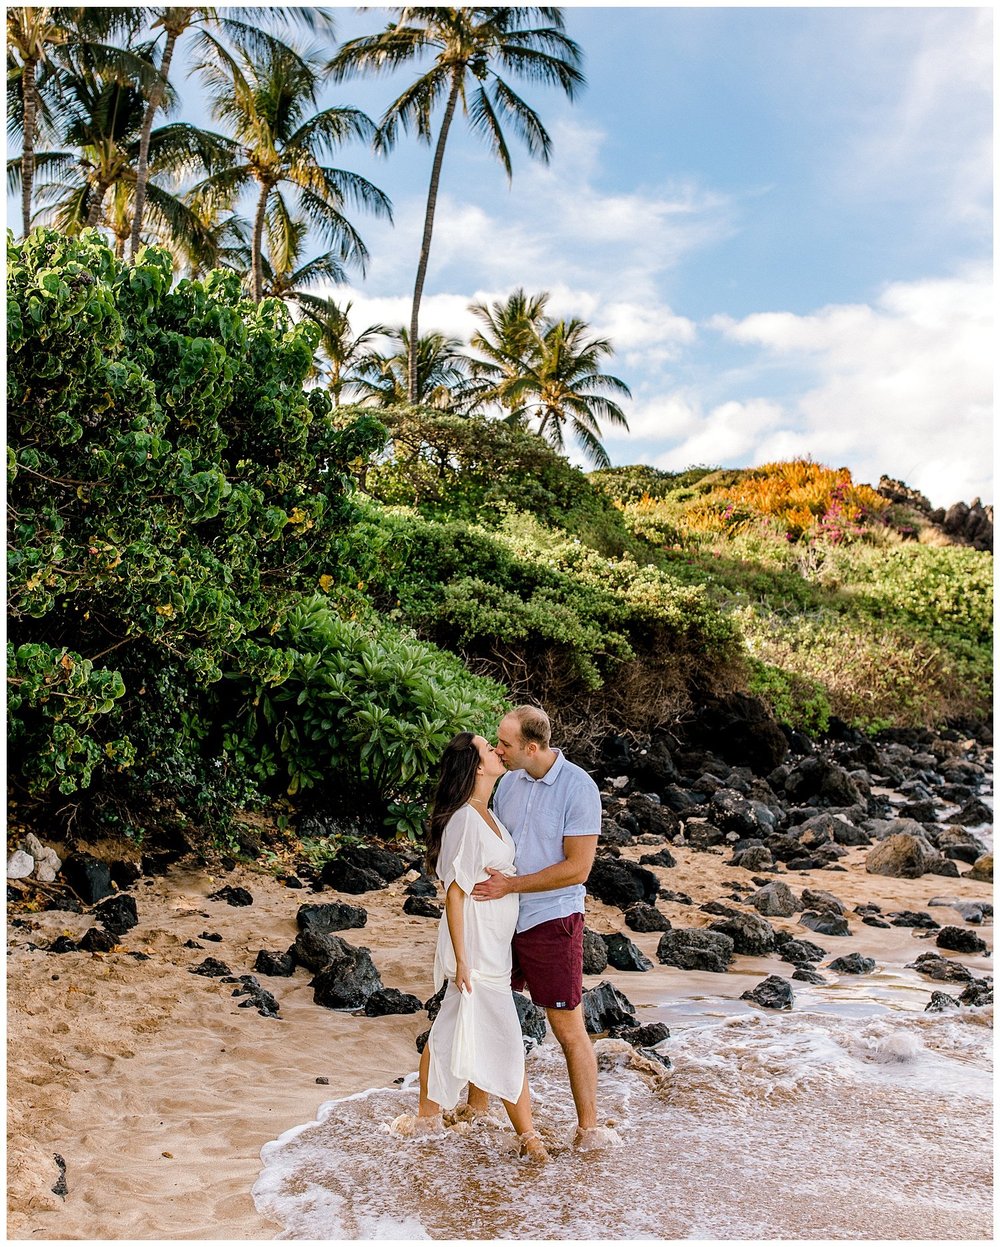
(828, 1122)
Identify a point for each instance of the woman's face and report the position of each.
(488, 759)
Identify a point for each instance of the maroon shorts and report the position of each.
(548, 960)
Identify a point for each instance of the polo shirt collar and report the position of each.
(552, 774)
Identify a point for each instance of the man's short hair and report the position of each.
(534, 724)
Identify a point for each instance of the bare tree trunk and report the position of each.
(142, 173)
(28, 147)
(425, 246)
(258, 235)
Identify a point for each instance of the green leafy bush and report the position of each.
(365, 712)
(171, 489)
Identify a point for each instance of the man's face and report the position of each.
(511, 749)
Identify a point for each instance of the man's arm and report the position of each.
(574, 868)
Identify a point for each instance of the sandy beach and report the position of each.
(159, 1092)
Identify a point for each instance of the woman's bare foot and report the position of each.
(530, 1146)
(408, 1126)
(595, 1137)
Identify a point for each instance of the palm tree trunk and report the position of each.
(142, 173)
(28, 147)
(425, 246)
(258, 235)
(94, 215)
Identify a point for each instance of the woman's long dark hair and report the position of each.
(455, 786)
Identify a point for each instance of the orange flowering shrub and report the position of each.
(801, 497)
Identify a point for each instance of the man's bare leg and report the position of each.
(571, 1034)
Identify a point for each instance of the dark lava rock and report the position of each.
(853, 963)
(913, 918)
(97, 941)
(694, 948)
(316, 949)
(717, 907)
(532, 1019)
(663, 858)
(919, 811)
(643, 918)
(774, 992)
(798, 951)
(604, 1006)
(343, 877)
(815, 779)
(422, 887)
(239, 897)
(118, 914)
(211, 968)
(623, 954)
(421, 907)
(751, 935)
(702, 835)
(960, 940)
(391, 1000)
(655, 766)
(941, 969)
(806, 975)
(193, 944)
(258, 997)
(805, 863)
(274, 964)
(333, 916)
(775, 899)
(67, 904)
(870, 920)
(814, 898)
(291, 881)
(60, 1188)
(89, 878)
(740, 729)
(63, 944)
(733, 813)
(678, 898)
(972, 814)
(652, 817)
(620, 883)
(825, 923)
(641, 1036)
(939, 1002)
(595, 952)
(978, 993)
(825, 827)
(124, 874)
(213, 937)
(348, 980)
(433, 1004)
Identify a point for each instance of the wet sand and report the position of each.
(159, 1092)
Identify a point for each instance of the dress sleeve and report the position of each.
(463, 853)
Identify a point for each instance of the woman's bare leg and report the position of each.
(427, 1107)
(478, 1100)
(519, 1113)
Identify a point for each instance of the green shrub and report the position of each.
(365, 712)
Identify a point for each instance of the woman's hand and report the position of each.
(463, 977)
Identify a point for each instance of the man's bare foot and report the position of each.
(595, 1137)
(530, 1147)
(408, 1126)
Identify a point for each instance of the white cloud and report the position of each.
(902, 386)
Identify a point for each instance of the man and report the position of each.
(552, 809)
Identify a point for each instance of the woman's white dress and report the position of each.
(476, 1037)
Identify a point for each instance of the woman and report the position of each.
(476, 1036)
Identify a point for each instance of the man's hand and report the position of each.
(493, 888)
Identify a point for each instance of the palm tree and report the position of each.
(222, 239)
(383, 380)
(285, 275)
(100, 118)
(267, 101)
(342, 348)
(35, 36)
(547, 371)
(467, 45)
(240, 24)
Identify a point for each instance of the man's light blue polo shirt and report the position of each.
(538, 813)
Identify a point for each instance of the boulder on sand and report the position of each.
(621, 883)
(348, 980)
(774, 992)
(751, 935)
(899, 857)
(595, 952)
(776, 900)
(624, 955)
(604, 1006)
(960, 940)
(694, 948)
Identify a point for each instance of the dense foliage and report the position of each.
(207, 615)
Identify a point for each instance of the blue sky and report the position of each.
(781, 216)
